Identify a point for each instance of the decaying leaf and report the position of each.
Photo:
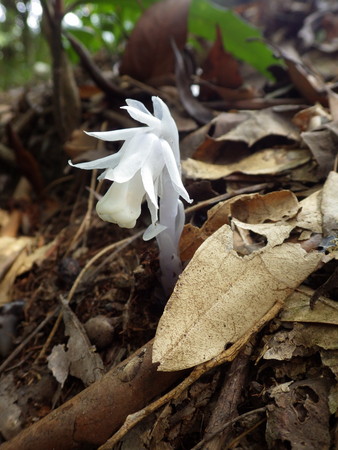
(10, 412)
(264, 162)
(297, 308)
(58, 363)
(299, 416)
(81, 358)
(20, 258)
(287, 344)
(221, 295)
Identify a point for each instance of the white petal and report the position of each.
(115, 135)
(138, 105)
(180, 220)
(152, 231)
(101, 163)
(151, 171)
(122, 203)
(169, 130)
(173, 171)
(148, 184)
(135, 153)
(143, 117)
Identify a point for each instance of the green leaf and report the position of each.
(239, 38)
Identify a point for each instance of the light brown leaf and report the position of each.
(258, 209)
(310, 216)
(20, 259)
(221, 295)
(329, 205)
(297, 308)
(275, 207)
(261, 124)
(264, 162)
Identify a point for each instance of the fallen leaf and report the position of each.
(22, 259)
(258, 209)
(299, 415)
(275, 233)
(10, 412)
(193, 107)
(264, 162)
(309, 83)
(323, 145)
(250, 208)
(320, 29)
(81, 358)
(219, 68)
(58, 363)
(329, 205)
(221, 295)
(297, 308)
(218, 126)
(311, 118)
(310, 216)
(333, 104)
(10, 248)
(148, 53)
(260, 124)
(287, 344)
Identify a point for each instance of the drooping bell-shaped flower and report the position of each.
(146, 167)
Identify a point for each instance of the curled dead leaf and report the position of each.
(268, 161)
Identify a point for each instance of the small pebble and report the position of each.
(100, 331)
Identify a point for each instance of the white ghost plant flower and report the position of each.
(146, 167)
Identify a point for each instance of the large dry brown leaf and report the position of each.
(221, 295)
(149, 53)
(264, 162)
(261, 124)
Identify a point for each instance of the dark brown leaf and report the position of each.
(149, 53)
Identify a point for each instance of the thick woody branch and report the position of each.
(92, 416)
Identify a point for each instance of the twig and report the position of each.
(119, 245)
(229, 397)
(236, 441)
(86, 220)
(226, 425)
(18, 349)
(93, 70)
(225, 356)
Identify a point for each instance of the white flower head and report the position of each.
(146, 167)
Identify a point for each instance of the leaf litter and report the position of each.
(243, 256)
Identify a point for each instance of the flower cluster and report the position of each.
(146, 167)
